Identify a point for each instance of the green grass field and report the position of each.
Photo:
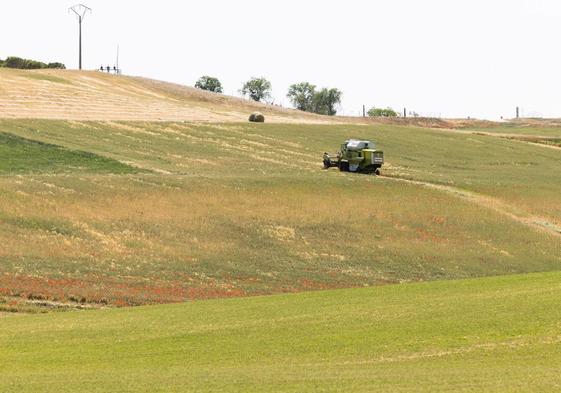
(491, 334)
(235, 210)
(24, 156)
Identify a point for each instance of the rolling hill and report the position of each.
(215, 210)
(119, 191)
(82, 95)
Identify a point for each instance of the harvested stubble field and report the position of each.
(77, 95)
(193, 211)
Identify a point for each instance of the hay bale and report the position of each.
(257, 118)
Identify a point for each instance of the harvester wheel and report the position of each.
(377, 172)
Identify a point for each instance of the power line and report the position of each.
(80, 10)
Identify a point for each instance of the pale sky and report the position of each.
(478, 58)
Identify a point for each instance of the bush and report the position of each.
(17, 62)
(58, 66)
(379, 112)
(26, 64)
(257, 118)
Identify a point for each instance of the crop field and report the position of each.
(490, 334)
(536, 127)
(542, 132)
(443, 274)
(76, 95)
(133, 213)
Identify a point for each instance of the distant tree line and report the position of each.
(26, 64)
(303, 96)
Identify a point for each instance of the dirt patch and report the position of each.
(281, 233)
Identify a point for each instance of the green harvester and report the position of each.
(356, 156)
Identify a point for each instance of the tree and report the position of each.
(325, 101)
(257, 89)
(302, 96)
(209, 83)
(379, 112)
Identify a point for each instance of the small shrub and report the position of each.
(58, 66)
(379, 112)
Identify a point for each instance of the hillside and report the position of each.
(200, 211)
(118, 191)
(491, 335)
(83, 95)
(139, 212)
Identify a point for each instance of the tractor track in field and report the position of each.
(535, 222)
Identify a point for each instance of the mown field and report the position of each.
(491, 334)
(537, 127)
(537, 131)
(130, 213)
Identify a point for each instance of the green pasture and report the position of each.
(24, 156)
(491, 334)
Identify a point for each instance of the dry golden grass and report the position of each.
(142, 238)
(83, 95)
(235, 210)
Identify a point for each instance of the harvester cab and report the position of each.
(356, 156)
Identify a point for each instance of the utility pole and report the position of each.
(404, 112)
(517, 112)
(364, 111)
(80, 10)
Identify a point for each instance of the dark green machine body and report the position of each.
(356, 156)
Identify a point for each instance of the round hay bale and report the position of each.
(257, 118)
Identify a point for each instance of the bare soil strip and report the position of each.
(535, 222)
